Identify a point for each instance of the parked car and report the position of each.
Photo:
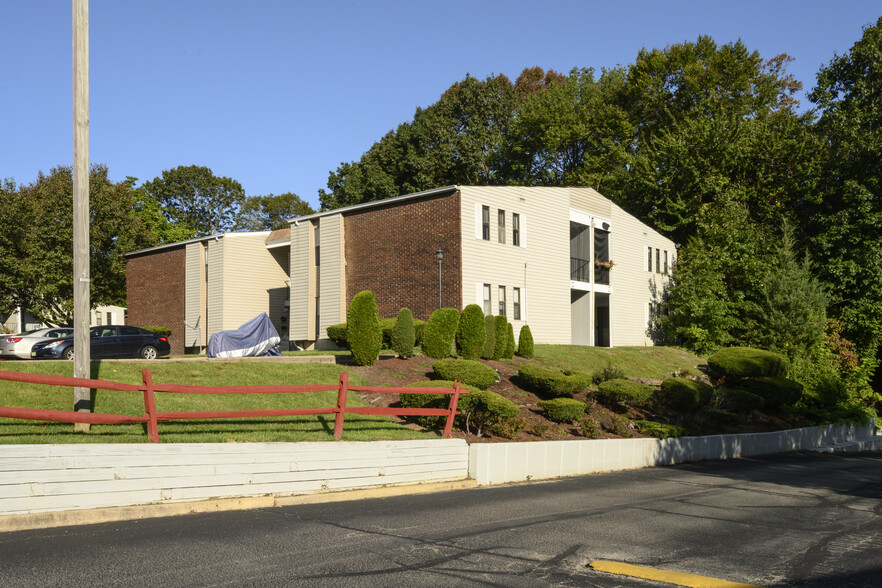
(18, 346)
(110, 341)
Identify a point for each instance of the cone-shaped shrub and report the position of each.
(501, 337)
(471, 332)
(525, 343)
(363, 329)
(489, 336)
(439, 332)
(510, 343)
(403, 334)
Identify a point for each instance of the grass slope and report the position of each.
(654, 363)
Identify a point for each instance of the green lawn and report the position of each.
(637, 362)
(302, 428)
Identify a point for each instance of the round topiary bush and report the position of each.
(470, 333)
(741, 401)
(363, 329)
(489, 337)
(337, 334)
(562, 410)
(510, 343)
(735, 363)
(525, 343)
(613, 393)
(439, 332)
(501, 337)
(774, 390)
(686, 395)
(549, 383)
(403, 334)
(472, 373)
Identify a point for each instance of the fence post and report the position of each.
(150, 406)
(341, 405)
(454, 400)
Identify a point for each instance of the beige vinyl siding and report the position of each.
(332, 287)
(252, 279)
(194, 296)
(302, 313)
(590, 201)
(544, 283)
(633, 287)
(215, 295)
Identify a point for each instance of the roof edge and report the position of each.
(374, 203)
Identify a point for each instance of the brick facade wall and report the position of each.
(391, 251)
(155, 292)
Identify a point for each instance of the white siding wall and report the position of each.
(215, 287)
(194, 296)
(544, 216)
(251, 276)
(332, 287)
(301, 253)
(634, 287)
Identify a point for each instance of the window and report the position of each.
(109, 318)
(485, 223)
(98, 318)
(502, 226)
(516, 303)
(515, 229)
(666, 261)
(317, 242)
(488, 308)
(657, 261)
(649, 259)
(502, 301)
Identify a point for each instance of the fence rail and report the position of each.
(151, 418)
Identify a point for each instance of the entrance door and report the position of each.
(601, 320)
(580, 313)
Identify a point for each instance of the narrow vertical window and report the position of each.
(666, 261)
(515, 229)
(317, 248)
(502, 226)
(502, 301)
(649, 259)
(485, 223)
(516, 303)
(488, 308)
(657, 261)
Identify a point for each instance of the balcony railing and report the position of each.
(580, 271)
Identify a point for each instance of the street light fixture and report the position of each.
(440, 255)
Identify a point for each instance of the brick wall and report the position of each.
(155, 292)
(391, 251)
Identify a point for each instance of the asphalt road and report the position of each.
(785, 520)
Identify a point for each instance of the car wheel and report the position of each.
(68, 354)
(149, 352)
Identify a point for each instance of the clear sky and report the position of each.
(275, 94)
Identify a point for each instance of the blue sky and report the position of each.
(275, 94)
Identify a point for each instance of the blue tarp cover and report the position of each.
(256, 337)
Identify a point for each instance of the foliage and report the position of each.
(525, 343)
(162, 331)
(617, 393)
(686, 395)
(439, 332)
(620, 425)
(734, 363)
(403, 334)
(489, 337)
(472, 373)
(589, 427)
(609, 372)
(741, 400)
(501, 337)
(192, 196)
(470, 333)
(435, 400)
(363, 334)
(36, 232)
(270, 212)
(548, 382)
(660, 430)
(481, 409)
(509, 343)
(337, 334)
(507, 428)
(776, 391)
(562, 410)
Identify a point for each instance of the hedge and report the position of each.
(467, 371)
(660, 430)
(439, 332)
(161, 331)
(562, 410)
(337, 334)
(525, 343)
(471, 332)
(403, 335)
(363, 329)
(551, 383)
(621, 392)
(686, 395)
(735, 363)
(774, 390)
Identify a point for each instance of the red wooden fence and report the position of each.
(151, 417)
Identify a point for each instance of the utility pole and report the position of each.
(82, 395)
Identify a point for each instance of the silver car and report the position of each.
(18, 346)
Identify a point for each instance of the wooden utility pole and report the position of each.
(82, 396)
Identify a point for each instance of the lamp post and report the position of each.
(440, 255)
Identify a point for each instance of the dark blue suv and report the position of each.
(111, 341)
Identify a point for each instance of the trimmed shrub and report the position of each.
(480, 409)
(610, 372)
(525, 343)
(470, 333)
(562, 410)
(501, 337)
(660, 430)
(579, 380)
(489, 337)
(741, 401)
(467, 371)
(432, 400)
(547, 382)
(418, 327)
(363, 329)
(403, 336)
(685, 395)
(510, 343)
(774, 390)
(614, 393)
(439, 333)
(337, 334)
(735, 363)
(161, 331)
